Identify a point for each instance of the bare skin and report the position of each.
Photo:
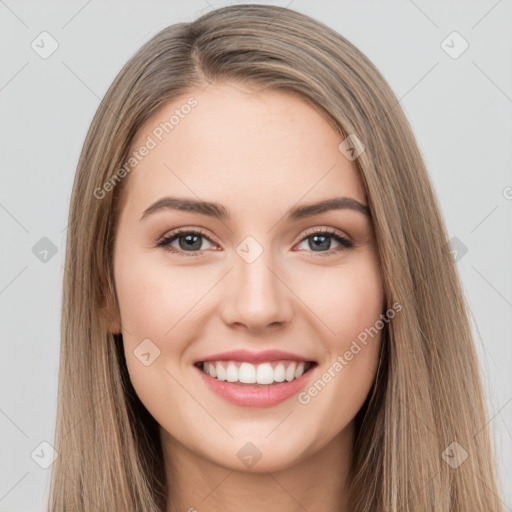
(258, 155)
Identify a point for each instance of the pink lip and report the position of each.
(253, 357)
(254, 396)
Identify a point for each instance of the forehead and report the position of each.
(240, 147)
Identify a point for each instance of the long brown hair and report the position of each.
(426, 396)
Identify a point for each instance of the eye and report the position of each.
(189, 241)
(320, 241)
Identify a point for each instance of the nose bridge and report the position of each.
(257, 296)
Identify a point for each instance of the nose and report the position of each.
(257, 297)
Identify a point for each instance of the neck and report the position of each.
(318, 482)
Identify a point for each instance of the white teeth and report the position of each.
(221, 372)
(265, 374)
(232, 373)
(279, 373)
(248, 373)
(300, 370)
(290, 372)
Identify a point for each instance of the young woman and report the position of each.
(260, 309)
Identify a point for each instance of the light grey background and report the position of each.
(460, 109)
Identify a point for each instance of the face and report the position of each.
(255, 285)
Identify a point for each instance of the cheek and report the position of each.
(162, 304)
(153, 298)
(346, 300)
(349, 302)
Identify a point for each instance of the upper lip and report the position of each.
(253, 357)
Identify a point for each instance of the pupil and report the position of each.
(194, 242)
(189, 238)
(325, 242)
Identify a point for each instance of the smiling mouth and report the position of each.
(261, 375)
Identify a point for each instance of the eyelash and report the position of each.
(166, 241)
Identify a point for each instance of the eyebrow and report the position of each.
(218, 211)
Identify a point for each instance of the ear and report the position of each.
(109, 312)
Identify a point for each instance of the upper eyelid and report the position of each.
(307, 233)
(180, 231)
(329, 230)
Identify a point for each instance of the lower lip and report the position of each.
(254, 396)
